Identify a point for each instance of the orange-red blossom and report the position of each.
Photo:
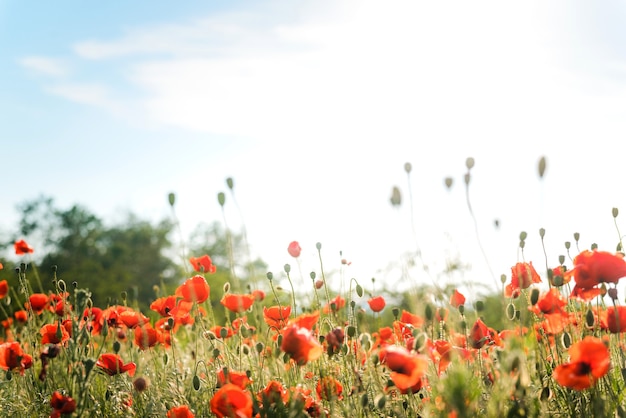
(589, 361)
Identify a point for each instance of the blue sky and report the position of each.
(313, 108)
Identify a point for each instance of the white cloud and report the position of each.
(45, 65)
(92, 94)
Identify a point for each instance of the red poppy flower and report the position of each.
(306, 320)
(589, 361)
(203, 264)
(53, 334)
(131, 318)
(551, 302)
(230, 401)
(410, 318)
(377, 303)
(479, 335)
(294, 249)
(164, 305)
(457, 299)
(146, 336)
(61, 404)
(616, 319)
(334, 340)
(195, 289)
(300, 344)
(328, 388)
(37, 302)
(407, 368)
(272, 393)
(21, 316)
(182, 411)
(4, 288)
(113, 364)
(12, 357)
(240, 379)
(592, 268)
(335, 304)
(21, 247)
(522, 276)
(93, 319)
(276, 316)
(237, 303)
(259, 295)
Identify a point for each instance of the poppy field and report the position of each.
(558, 349)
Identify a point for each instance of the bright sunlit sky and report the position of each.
(313, 108)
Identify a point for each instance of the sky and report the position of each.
(313, 108)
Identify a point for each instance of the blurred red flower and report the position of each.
(61, 404)
(616, 318)
(479, 335)
(146, 336)
(182, 411)
(21, 247)
(37, 302)
(522, 276)
(113, 364)
(328, 388)
(408, 369)
(230, 401)
(195, 289)
(240, 379)
(589, 361)
(300, 344)
(203, 264)
(376, 303)
(592, 268)
(457, 299)
(276, 316)
(53, 334)
(12, 357)
(237, 303)
(4, 288)
(294, 249)
(335, 304)
(164, 305)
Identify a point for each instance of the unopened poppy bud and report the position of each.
(312, 275)
(364, 400)
(469, 163)
(613, 293)
(542, 167)
(594, 246)
(116, 347)
(461, 309)
(590, 320)
(428, 312)
(259, 347)
(270, 276)
(226, 287)
(408, 167)
(448, 182)
(380, 401)
(523, 235)
(359, 290)
(467, 178)
(230, 183)
(567, 245)
(318, 246)
(566, 340)
(503, 278)
(171, 198)
(351, 331)
(542, 233)
(480, 305)
(395, 312)
(216, 352)
(561, 259)
(221, 198)
(615, 212)
(534, 296)
(287, 268)
(396, 196)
